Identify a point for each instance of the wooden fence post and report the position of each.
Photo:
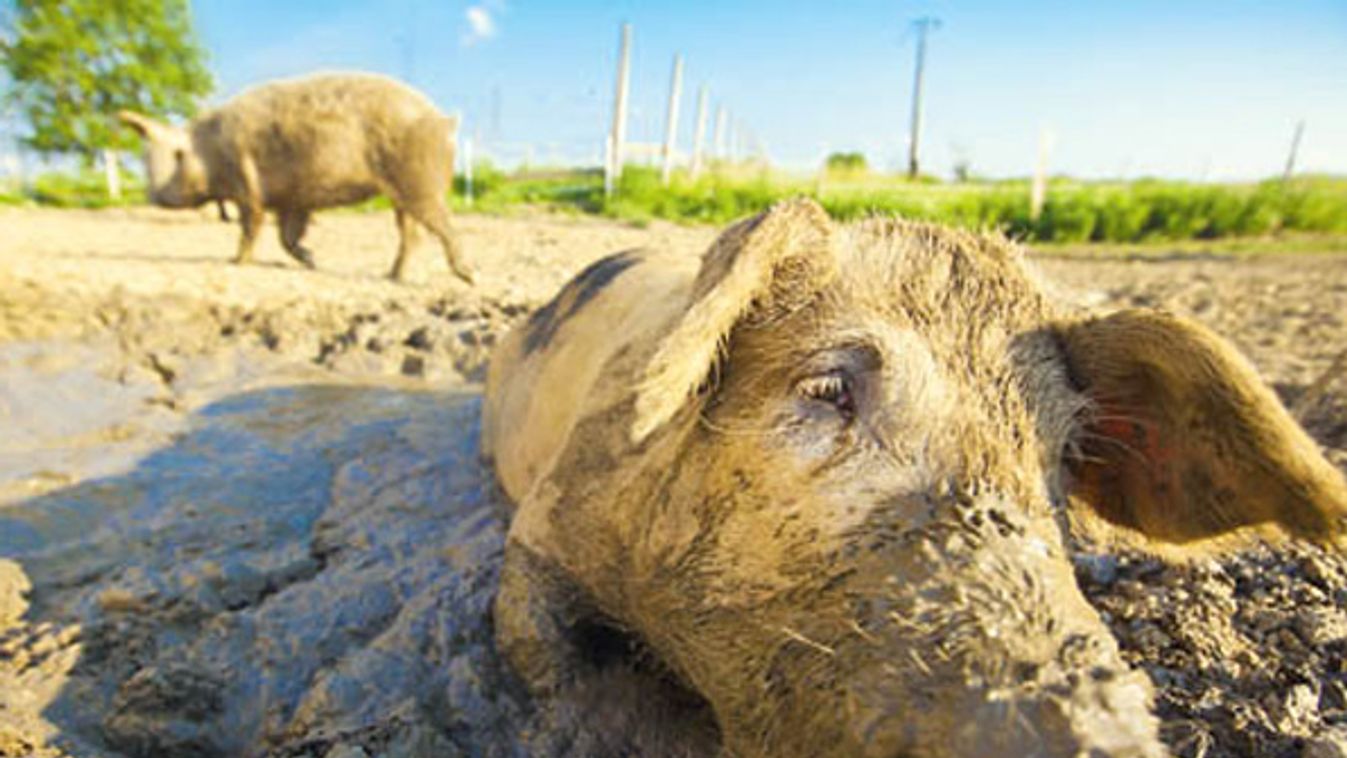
(700, 133)
(467, 171)
(719, 139)
(608, 166)
(619, 132)
(111, 174)
(1038, 194)
(671, 126)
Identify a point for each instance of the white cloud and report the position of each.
(481, 23)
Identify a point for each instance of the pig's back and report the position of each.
(547, 372)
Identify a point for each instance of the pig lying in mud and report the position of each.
(296, 146)
(813, 494)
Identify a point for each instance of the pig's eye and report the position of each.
(833, 388)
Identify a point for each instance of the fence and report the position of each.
(730, 141)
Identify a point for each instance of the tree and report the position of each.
(74, 63)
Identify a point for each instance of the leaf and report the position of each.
(74, 63)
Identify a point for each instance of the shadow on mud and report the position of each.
(305, 567)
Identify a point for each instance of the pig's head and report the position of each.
(175, 176)
(839, 506)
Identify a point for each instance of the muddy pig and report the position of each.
(813, 495)
(299, 145)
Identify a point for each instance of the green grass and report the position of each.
(1291, 243)
(1146, 212)
(86, 189)
(1075, 212)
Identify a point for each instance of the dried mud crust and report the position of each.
(188, 628)
(1248, 654)
(161, 282)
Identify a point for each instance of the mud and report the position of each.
(241, 510)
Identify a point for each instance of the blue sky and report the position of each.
(1196, 89)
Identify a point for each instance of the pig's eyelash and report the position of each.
(833, 388)
(827, 387)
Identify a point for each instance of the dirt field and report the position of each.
(184, 444)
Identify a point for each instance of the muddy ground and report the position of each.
(241, 512)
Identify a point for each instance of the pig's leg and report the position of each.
(250, 218)
(293, 223)
(433, 213)
(530, 619)
(250, 208)
(407, 240)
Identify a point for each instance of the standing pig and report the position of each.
(814, 495)
(296, 146)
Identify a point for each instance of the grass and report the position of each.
(1286, 243)
(1075, 212)
(86, 189)
(1311, 209)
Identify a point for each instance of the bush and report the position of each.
(1067, 218)
(847, 163)
(86, 189)
(640, 195)
(1315, 204)
(486, 178)
(1121, 216)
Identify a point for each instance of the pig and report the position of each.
(816, 493)
(295, 146)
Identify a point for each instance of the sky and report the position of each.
(1194, 89)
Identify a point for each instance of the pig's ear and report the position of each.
(144, 125)
(1184, 442)
(765, 265)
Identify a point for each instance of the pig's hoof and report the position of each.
(465, 273)
(304, 257)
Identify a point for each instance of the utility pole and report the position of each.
(921, 26)
(1295, 148)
